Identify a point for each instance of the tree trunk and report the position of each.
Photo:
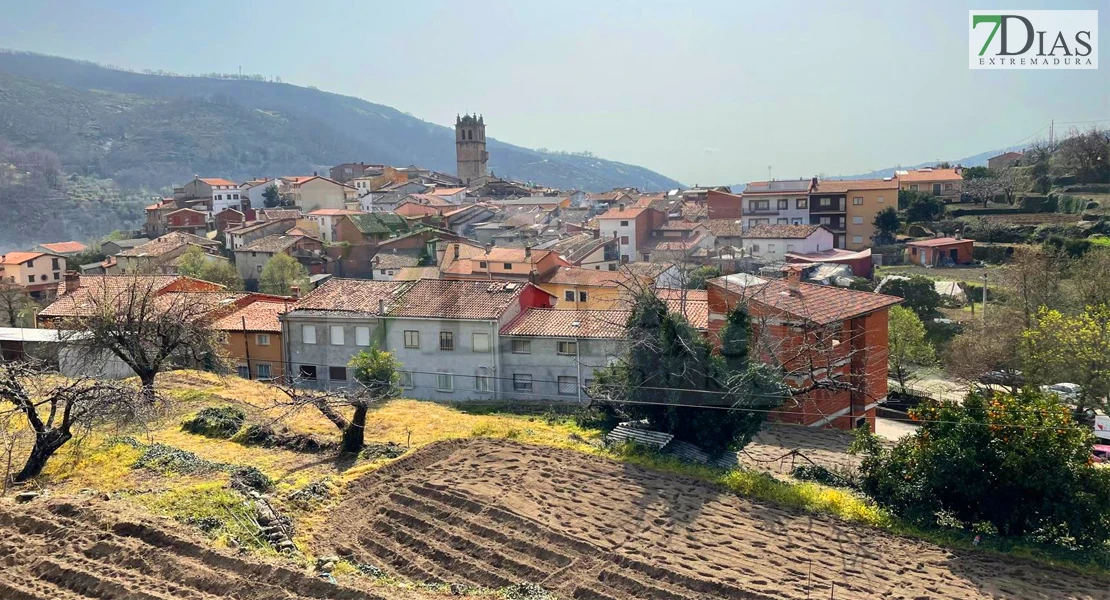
(146, 379)
(354, 436)
(46, 444)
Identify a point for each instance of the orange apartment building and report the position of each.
(830, 342)
(252, 337)
(39, 273)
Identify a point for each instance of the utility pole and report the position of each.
(247, 347)
(984, 307)
(1051, 132)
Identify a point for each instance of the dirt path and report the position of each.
(492, 512)
(77, 550)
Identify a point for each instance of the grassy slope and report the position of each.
(107, 468)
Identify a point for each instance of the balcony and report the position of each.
(836, 206)
(760, 212)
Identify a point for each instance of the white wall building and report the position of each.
(776, 203)
(772, 242)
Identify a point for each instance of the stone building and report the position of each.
(470, 147)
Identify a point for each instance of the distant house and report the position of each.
(38, 273)
(327, 219)
(632, 228)
(726, 232)
(253, 192)
(239, 237)
(848, 208)
(465, 261)
(941, 252)
(187, 220)
(158, 255)
(723, 205)
(114, 247)
(215, 193)
(587, 250)
(1002, 161)
(66, 249)
(315, 192)
(454, 195)
(252, 337)
(155, 224)
(773, 242)
(75, 292)
(252, 258)
(369, 228)
(944, 183)
(229, 218)
(386, 265)
(345, 172)
(576, 288)
(610, 199)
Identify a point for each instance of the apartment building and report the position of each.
(39, 273)
(631, 226)
(777, 202)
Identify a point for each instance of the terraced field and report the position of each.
(78, 550)
(493, 513)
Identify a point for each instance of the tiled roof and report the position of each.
(192, 210)
(395, 260)
(385, 223)
(129, 243)
(628, 213)
(18, 258)
(301, 180)
(415, 273)
(456, 299)
(278, 214)
(65, 247)
(73, 303)
(673, 244)
(695, 311)
(582, 276)
(930, 175)
(427, 200)
(693, 211)
(218, 181)
(358, 296)
(781, 231)
(549, 322)
(932, 242)
(679, 225)
(261, 315)
(724, 227)
(577, 246)
(167, 243)
(272, 244)
(651, 270)
(448, 191)
(846, 185)
(820, 304)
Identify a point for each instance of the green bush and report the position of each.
(248, 478)
(992, 254)
(221, 422)
(919, 293)
(1015, 465)
(1038, 203)
(1074, 247)
(824, 476)
(1071, 205)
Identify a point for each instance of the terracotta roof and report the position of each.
(651, 270)
(582, 276)
(162, 203)
(679, 225)
(781, 231)
(933, 242)
(358, 296)
(261, 315)
(457, 299)
(118, 287)
(1008, 155)
(673, 244)
(693, 211)
(385, 223)
(395, 260)
(930, 175)
(278, 214)
(193, 210)
(166, 244)
(549, 322)
(724, 227)
(415, 273)
(819, 304)
(628, 213)
(18, 258)
(272, 244)
(301, 180)
(426, 199)
(448, 191)
(217, 181)
(830, 255)
(695, 311)
(847, 185)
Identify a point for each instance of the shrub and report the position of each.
(220, 422)
(1071, 205)
(1016, 462)
(1037, 203)
(919, 293)
(1074, 247)
(824, 476)
(246, 479)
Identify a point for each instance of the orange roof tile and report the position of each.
(18, 258)
(583, 276)
(944, 241)
(781, 231)
(334, 212)
(628, 213)
(549, 322)
(261, 315)
(819, 304)
(218, 181)
(457, 299)
(350, 296)
(447, 191)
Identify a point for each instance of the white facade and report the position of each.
(254, 194)
(775, 249)
(785, 209)
(625, 231)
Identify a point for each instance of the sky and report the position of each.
(707, 92)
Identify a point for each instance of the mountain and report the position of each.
(133, 134)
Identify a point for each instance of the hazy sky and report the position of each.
(705, 92)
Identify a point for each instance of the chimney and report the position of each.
(314, 173)
(456, 251)
(527, 252)
(620, 206)
(381, 306)
(793, 278)
(813, 183)
(295, 291)
(597, 233)
(73, 281)
(959, 234)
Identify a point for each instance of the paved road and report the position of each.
(892, 430)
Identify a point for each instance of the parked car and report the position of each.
(1102, 427)
(1100, 453)
(1008, 378)
(1067, 392)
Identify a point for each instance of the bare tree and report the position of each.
(147, 330)
(1009, 183)
(982, 189)
(14, 302)
(57, 410)
(1087, 154)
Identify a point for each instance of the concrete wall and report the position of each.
(326, 352)
(545, 365)
(463, 364)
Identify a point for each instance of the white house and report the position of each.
(772, 242)
(631, 226)
(328, 219)
(776, 202)
(253, 192)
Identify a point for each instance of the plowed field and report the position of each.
(492, 513)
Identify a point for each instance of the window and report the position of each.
(857, 220)
(826, 202)
(479, 342)
(522, 346)
(308, 334)
(54, 264)
(405, 379)
(307, 372)
(784, 204)
(624, 239)
(857, 200)
(243, 371)
(336, 335)
(913, 187)
(337, 373)
(30, 279)
(755, 247)
(770, 247)
(581, 296)
(568, 386)
(612, 267)
(262, 339)
(412, 339)
(259, 266)
(568, 348)
(446, 341)
(826, 220)
(31, 264)
(445, 382)
(790, 247)
(857, 239)
(568, 295)
(782, 221)
(880, 199)
(522, 382)
(56, 276)
(759, 204)
(508, 266)
(624, 223)
(362, 336)
(481, 383)
(796, 221)
(801, 203)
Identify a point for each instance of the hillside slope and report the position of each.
(153, 130)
